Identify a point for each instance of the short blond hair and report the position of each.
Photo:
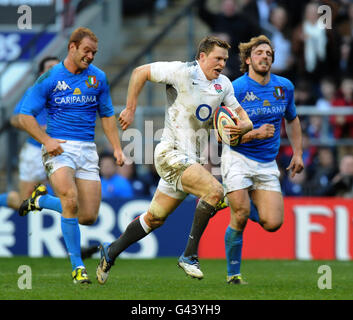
(78, 34)
(245, 49)
(207, 44)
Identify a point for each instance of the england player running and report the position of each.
(194, 91)
(73, 92)
(249, 170)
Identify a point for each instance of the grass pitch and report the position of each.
(161, 279)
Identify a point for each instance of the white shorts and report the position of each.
(170, 164)
(79, 155)
(240, 172)
(170, 191)
(30, 166)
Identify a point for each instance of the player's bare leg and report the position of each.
(63, 183)
(89, 199)
(270, 207)
(13, 200)
(198, 181)
(26, 188)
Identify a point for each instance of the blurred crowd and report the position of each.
(313, 43)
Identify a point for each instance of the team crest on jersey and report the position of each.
(61, 86)
(250, 96)
(92, 82)
(278, 93)
(218, 87)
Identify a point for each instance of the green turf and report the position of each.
(160, 279)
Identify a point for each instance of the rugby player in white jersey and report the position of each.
(194, 91)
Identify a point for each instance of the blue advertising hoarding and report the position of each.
(39, 234)
(13, 43)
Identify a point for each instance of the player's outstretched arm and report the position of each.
(266, 131)
(15, 121)
(137, 81)
(111, 131)
(30, 124)
(294, 133)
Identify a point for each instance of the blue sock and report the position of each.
(3, 199)
(50, 202)
(234, 243)
(72, 237)
(254, 214)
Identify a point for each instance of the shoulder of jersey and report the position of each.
(283, 81)
(96, 71)
(50, 73)
(240, 83)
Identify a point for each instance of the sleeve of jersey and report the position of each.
(230, 100)
(19, 104)
(291, 111)
(35, 99)
(166, 72)
(105, 107)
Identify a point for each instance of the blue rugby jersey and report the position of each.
(41, 117)
(268, 103)
(71, 100)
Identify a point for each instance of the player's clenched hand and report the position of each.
(120, 157)
(241, 127)
(244, 126)
(265, 131)
(234, 131)
(296, 165)
(53, 146)
(126, 118)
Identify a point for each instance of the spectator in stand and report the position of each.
(342, 183)
(350, 55)
(304, 93)
(113, 185)
(304, 96)
(322, 170)
(129, 172)
(327, 93)
(234, 25)
(278, 33)
(259, 11)
(295, 186)
(309, 152)
(343, 125)
(316, 48)
(345, 28)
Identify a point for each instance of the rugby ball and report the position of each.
(222, 117)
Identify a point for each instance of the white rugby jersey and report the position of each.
(191, 102)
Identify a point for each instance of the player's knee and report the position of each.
(13, 200)
(154, 221)
(69, 202)
(239, 220)
(239, 215)
(215, 194)
(271, 225)
(88, 220)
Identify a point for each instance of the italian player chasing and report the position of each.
(194, 91)
(72, 92)
(249, 170)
